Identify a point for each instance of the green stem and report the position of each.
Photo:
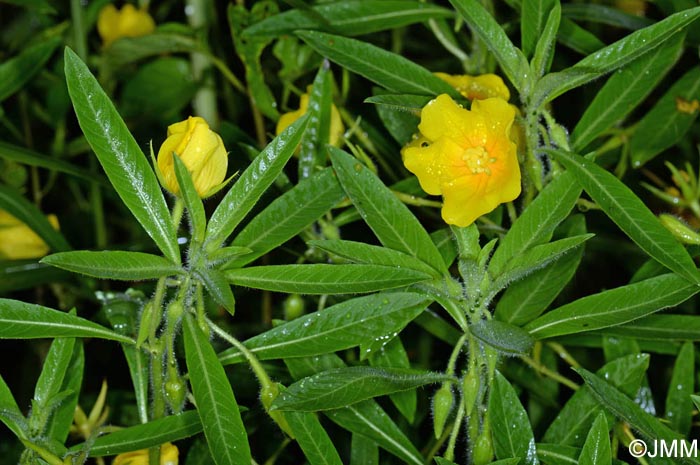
(455, 353)
(79, 39)
(204, 101)
(549, 373)
(176, 214)
(450, 451)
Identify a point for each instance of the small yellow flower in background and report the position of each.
(113, 24)
(466, 156)
(477, 87)
(687, 106)
(337, 128)
(168, 456)
(200, 149)
(18, 241)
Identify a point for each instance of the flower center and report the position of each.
(477, 160)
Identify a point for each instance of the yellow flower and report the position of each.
(168, 456)
(477, 87)
(113, 24)
(200, 149)
(337, 129)
(18, 241)
(466, 156)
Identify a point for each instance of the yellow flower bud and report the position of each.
(337, 129)
(168, 456)
(200, 149)
(18, 241)
(477, 87)
(113, 24)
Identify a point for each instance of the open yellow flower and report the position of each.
(477, 87)
(466, 156)
(18, 241)
(337, 129)
(168, 456)
(200, 149)
(113, 24)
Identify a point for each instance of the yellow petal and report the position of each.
(425, 163)
(18, 241)
(477, 87)
(108, 24)
(443, 117)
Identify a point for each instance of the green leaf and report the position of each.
(53, 371)
(359, 252)
(512, 433)
(17, 71)
(613, 307)
(596, 450)
(535, 14)
(120, 155)
(216, 405)
(526, 299)
(664, 125)
(341, 387)
(29, 214)
(611, 57)
(254, 181)
(502, 336)
(401, 102)
(140, 377)
(537, 223)
(191, 198)
(26, 274)
(131, 49)
(363, 451)
(153, 433)
(114, 264)
(364, 418)
(512, 61)
(10, 414)
(576, 417)
(28, 157)
(626, 89)
(387, 69)
(338, 327)
(324, 278)
(535, 258)
(288, 215)
(625, 409)
(62, 418)
(350, 18)
(393, 355)
(392, 222)
(19, 320)
(660, 327)
(217, 286)
(577, 38)
(630, 214)
(605, 15)
(557, 454)
(312, 154)
(544, 52)
(679, 407)
(312, 438)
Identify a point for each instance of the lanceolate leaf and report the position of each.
(254, 181)
(533, 19)
(630, 214)
(613, 307)
(127, 266)
(511, 60)
(350, 18)
(387, 69)
(121, 157)
(10, 414)
(512, 433)
(312, 438)
(62, 418)
(218, 288)
(679, 407)
(664, 125)
(216, 405)
(596, 450)
(625, 409)
(193, 203)
(612, 57)
(339, 327)
(346, 386)
(149, 434)
(16, 71)
(660, 327)
(502, 336)
(391, 221)
(626, 89)
(324, 278)
(544, 52)
(53, 372)
(19, 320)
(312, 153)
(288, 214)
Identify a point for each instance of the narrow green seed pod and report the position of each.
(443, 400)
(145, 323)
(679, 229)
(470, 390)
(482, 453)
